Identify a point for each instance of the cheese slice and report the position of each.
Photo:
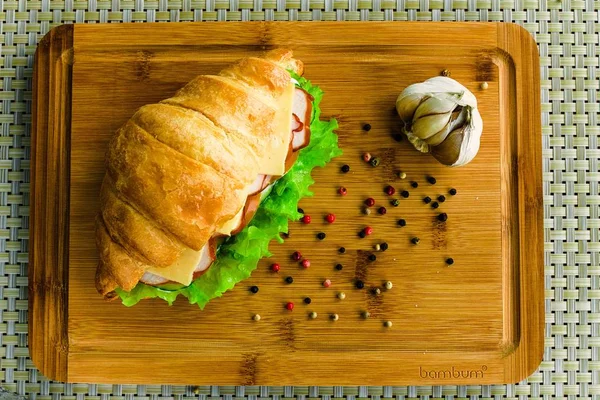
(182, 270)
(232, 223)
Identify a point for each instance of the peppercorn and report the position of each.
(397, 137)
(339, 267)
(441, 198)
(435, 204)
(445, 72)
(382, 210)
(345, 168)
(431, 180)
(405, 194)
(427, 200)
(401, 175)
(342, 250)
(389, 190)
(389, 285)
(414, 184)
(341, 295)
(365, 314)
(483, 85)
(443, 217)
(366, 157)
(321, 235)
(374, 161)
(402, 222)
(343, 191)
(367, 127)
(256, 317)
(327, 283)
(312, 315)
(306, 219)
(305, 263)
(362, 234)
(415, 240)
(289, 306)
(376, 291)
(330, 218)
(452, 192)
(301, 211)
(384, 246)
(372, 257)
(359, 284)
(275, 267)
(366, 210)
(307, 300)
(449, 261)
(254, 289)
(395, 202)
(334, 317)
(296, 256)
(377, 247)
(289, 279)
(370, 202)
(368, 230)
(388, 324)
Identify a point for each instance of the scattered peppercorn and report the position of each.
(377, 247)
(441, 198)
(330, 218)
(388, 324)
(307, 300)
(321, 235)
(435, 204)
(305, 263)
(401, 175)
(397, 137)
(395, 202)
(362, 234)
(306, 219)
(374, 161)
(327, 283)
(289, 306)
(366, 157)
(443, 217)
(345, 168)
(445, 72)
(289, 279)
(431, 180)
(405, 194)
(312, 315)
(427, 200)
(449, 261)
(254, 289)
(256, 317)
(382, 210)
(483, 85)
(402, 222)
(366, 127)
(339, 267)
(389, 285)
(452, 192)
(342, 250)
(359, 284)
(389, 190)
(368, 230)
(296, 256)
(301, 211)
(365, 314)
(366, 210)
(376, 291)
(343, 191)
(341, 295)
(384, 246)
(334, 317)
(275, 267)
(414, 184)
(415, 240)
(372, 257)
(370, 202)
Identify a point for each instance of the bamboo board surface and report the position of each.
(478, 321)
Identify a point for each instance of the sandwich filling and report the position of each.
(192, 264)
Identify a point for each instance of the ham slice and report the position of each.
(259, 184)
(301, 115)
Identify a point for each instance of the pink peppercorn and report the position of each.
(289, 306)
(382, 210)
(275, 267)
(330, 218)
(343, 191)
(368, 230)
(306, 263)
(370, 202)
(327, 283)
(296, 256)
(366, 157)
(306, 219)
(389, 190)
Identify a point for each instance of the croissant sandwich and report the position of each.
(197, 185)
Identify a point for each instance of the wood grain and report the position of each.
(479, 321)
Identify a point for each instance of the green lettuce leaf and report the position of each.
(239, 255)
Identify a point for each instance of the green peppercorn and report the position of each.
(375, 161)
(395, 202)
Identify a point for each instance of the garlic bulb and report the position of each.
(441, 118)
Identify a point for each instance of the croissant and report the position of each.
(186, 172)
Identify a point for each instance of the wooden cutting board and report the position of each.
(477, 321)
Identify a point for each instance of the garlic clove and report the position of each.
(428, 126)
(418, 143)
(435, 106)
(407, 104)
(461, 145)
(448, 151)
(458, 118)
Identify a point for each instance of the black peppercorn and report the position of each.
(301, 211)
(254, 289)
(405, 194)
(345, 168)
(435, 204)
(384, 246)
(449, 261)
(427, 200)
(289, 279)
(367, 127)
(443, 217)
(452, 192)
(415, 240)
(321, 235)
(359, 284)
(402, 222)
(339, 267)
(431, 180)
(362, 234)
(397, 137)
(342, 250)
(441, 198)
(372, 257)
(414, 184)
(307, 300)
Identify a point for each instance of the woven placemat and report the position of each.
(566, 32)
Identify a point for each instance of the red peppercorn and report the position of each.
(306, 219)
(389, 190)
(330, 218)
(382, 210)
(366, 157)
(368, 230)
(327, 283)
(306, 263)
(275, 267)
(370, 202)
(343, 191)
(296, 256)
(289, 306)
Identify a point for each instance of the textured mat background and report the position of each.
(567, 34)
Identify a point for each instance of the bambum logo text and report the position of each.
(451, 373)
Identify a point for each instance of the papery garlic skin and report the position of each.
(441, 118)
